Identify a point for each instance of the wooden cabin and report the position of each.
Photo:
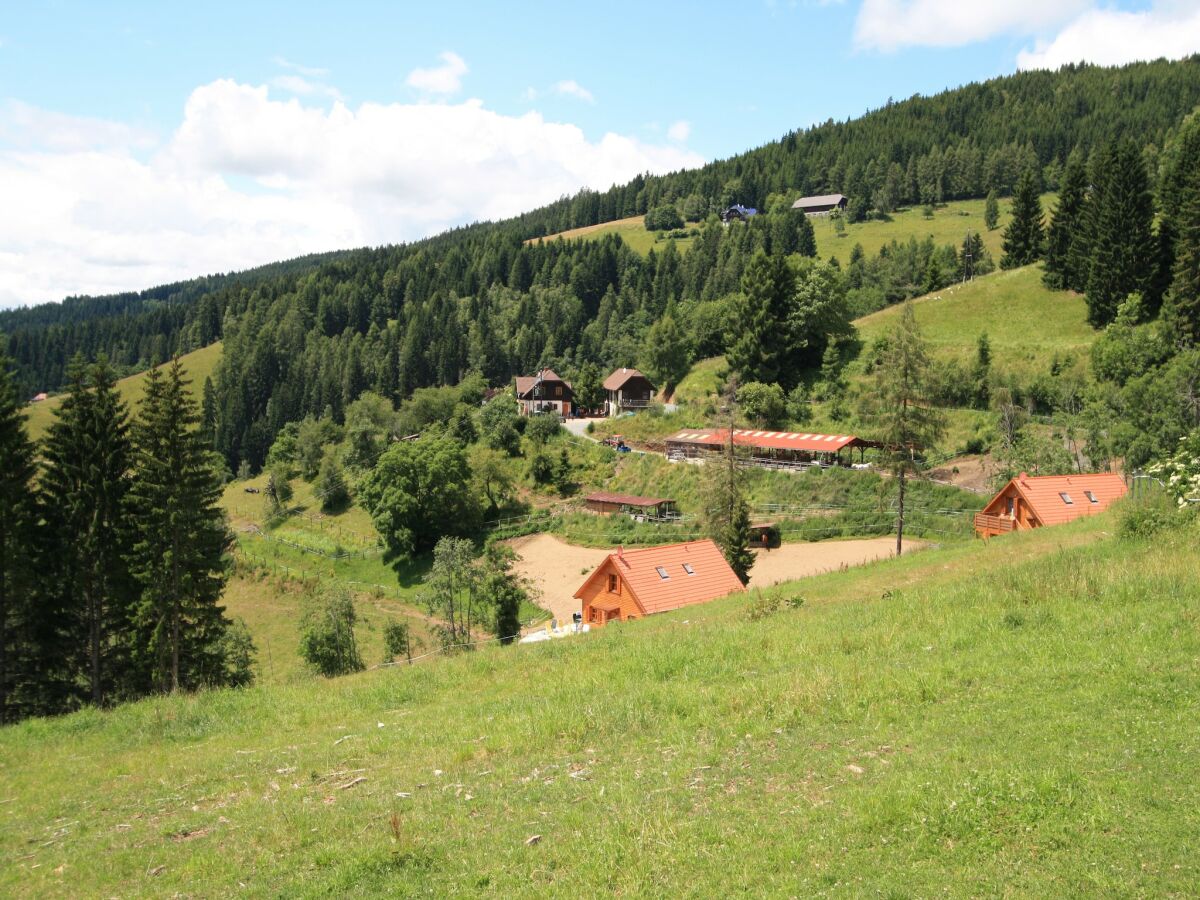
(820, 205)
(738, 213)
(608, 504)
(1033, 501)
(627, 390)
(630, 584)
(544, 392)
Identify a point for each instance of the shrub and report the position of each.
(327, 643)
(663, 218)
(1147, 515)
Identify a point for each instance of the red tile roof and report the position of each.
(776, 440)
(711, 575)
(1044, 494)
(617, 379)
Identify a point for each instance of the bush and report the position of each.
(663, 218)
(763, 404)
(542, 428)
(327, 643)
(1147, 515)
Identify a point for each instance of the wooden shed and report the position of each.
(630, 584)
(1033, 501)
(630, 504)
(821, 204)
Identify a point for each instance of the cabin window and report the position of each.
(558, 390)
(1091, 497)
(687, 567)
(662, 573)
(613, 584)
(1066, 498)
(1011, 505)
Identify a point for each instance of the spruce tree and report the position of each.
(759, 341)
(1121, 243)
(18, 582)
(1181, 309)
(180, 561)
(1023, 236)
(806, 238)
(991, 211)
(1064, 244)
(903, 417)
(727, 514)
(85, 483)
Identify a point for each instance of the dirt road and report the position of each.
(559, 568)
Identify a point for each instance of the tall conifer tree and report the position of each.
(1023, 236)
(1064, 244)
(180, 561)
(1121, 242)
(759, 341)
(84, 486)
(17, 540)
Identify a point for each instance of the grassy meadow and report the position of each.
(199, 364)
(1028, 325)
(948, 225)
(1006, 718)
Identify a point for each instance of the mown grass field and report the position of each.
(1027, 324)
(949, 225)
(199, 364)
(632, 231)
(1013, 718)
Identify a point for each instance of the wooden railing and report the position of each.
(993, 524)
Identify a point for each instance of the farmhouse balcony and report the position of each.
(634, 404)
(988, 525)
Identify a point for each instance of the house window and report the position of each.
(687, 567)
(558, 390)
(613, 584)
(1091, 497)
(1066, 498)
(662, 573)
(1011, 504)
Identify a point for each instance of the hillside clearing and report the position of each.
(197, 365)
(949, 225)
(944, 722)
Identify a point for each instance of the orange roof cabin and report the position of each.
(1031, 501)
(630, 584)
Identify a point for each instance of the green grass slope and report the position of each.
(1027, 324)
(1011, 718)
(199, 364)
(949, 225)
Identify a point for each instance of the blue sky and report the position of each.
(144, 142)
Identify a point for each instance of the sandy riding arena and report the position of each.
(559, 568)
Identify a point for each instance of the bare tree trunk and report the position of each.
(900, 520)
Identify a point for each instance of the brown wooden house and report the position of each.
(630, 584)
(627, 390)
(544, 392)
(1033, 501)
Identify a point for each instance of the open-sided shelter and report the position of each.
(769, 448)
(608, 503)
(630, 584)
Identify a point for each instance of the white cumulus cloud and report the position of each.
(248, 177)
(1110, 37)
(679, 131)
(572, 88)
(894, 24)
(443, 79)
